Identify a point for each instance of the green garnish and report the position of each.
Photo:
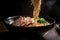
(41, 20)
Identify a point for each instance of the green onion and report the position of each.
(41, 20)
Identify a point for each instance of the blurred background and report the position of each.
(24, 7)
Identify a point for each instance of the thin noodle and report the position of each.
(36, 11)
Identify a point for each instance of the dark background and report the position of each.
(24, 7)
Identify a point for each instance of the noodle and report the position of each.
(37, 9)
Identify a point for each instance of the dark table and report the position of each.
(3, 27)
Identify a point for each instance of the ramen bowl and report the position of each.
(13, 28)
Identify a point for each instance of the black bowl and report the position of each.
(13, 28)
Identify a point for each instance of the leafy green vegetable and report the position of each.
(41, 20)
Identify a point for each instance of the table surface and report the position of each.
(49, 35)
(3, 27)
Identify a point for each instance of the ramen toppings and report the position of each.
(23, 21)
(28, 21)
